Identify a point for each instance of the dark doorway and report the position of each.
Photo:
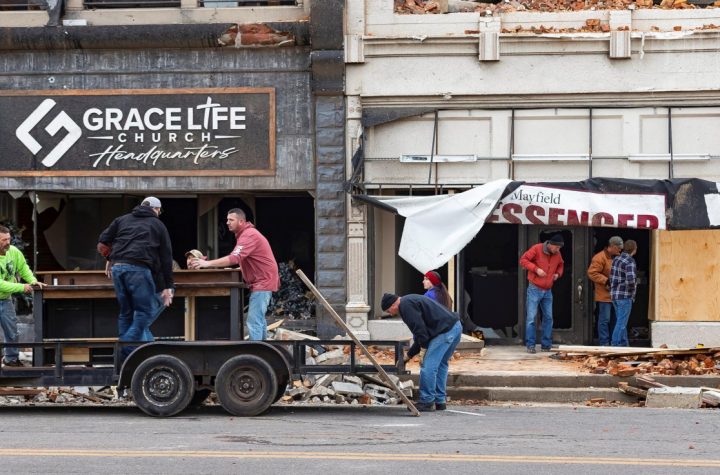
(180, 218)
(571, 292)
(489, 266)
(638, 324)
(289, 225)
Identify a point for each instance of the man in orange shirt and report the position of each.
(544, 265)
(599, 273)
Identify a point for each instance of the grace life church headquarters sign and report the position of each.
(138, 132)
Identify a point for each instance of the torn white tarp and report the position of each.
(438, 227)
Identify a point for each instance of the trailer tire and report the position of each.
(162, 386)
(246, 385)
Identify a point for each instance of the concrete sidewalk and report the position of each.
(509, 373)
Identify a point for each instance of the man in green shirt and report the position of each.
(12, 264)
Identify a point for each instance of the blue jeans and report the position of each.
(604, 312)
(8, 320)
(434, 370)
(158, 308)
(135, 291)
(622, 314)
(543, 298)
(256, 323)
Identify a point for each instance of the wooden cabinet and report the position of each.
(81, 305)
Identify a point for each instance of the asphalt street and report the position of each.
(325, 440)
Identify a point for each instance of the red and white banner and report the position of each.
(562, 207)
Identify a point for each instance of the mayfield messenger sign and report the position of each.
(529, 204)
(138, 132)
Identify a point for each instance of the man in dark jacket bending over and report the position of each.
(436, 332)
(139, 246)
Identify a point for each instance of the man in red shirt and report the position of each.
(259, 269)
(544, 265)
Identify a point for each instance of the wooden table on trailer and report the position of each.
(90, 285)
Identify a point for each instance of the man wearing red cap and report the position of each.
(544, 264)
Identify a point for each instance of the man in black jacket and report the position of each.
(138, 245)
(436, 333)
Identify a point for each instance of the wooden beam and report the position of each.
(411, 407)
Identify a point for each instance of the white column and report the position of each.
(357, 308)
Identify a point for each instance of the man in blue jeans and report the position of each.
(258, 266)
(599, 273)
(137, 245)
(12, 265)
(623, 286)
(436, 333)
(544, 265)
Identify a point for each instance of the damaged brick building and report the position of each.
(443, 96)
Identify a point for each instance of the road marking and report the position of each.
(510, 459)
(397, 425)
(463, 412)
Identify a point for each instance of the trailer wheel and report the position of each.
(246, 385)
(162, 386)
(199, 397)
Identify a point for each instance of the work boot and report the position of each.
(440, 406)
(425, 406)
(546, 348)
(531, 349)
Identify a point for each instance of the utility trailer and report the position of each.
(166, 377)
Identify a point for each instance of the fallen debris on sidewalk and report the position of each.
(626, 362)
(657, 394)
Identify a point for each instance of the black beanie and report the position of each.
(557, 240)
(387, 301)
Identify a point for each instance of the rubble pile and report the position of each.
(657, 364)
(362, 389)
(682, 362)
(420, 7)
(292, 300)
(60, 395)
(337, 388)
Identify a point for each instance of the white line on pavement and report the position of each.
(463, 412)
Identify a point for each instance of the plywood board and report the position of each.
(686, 276)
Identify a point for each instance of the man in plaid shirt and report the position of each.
(623, 284)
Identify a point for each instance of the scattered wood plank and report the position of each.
(598, 350)
(632, 390)
(20, 391)
(82, 395)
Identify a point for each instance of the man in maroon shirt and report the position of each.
(544, 266)
(259, 269)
